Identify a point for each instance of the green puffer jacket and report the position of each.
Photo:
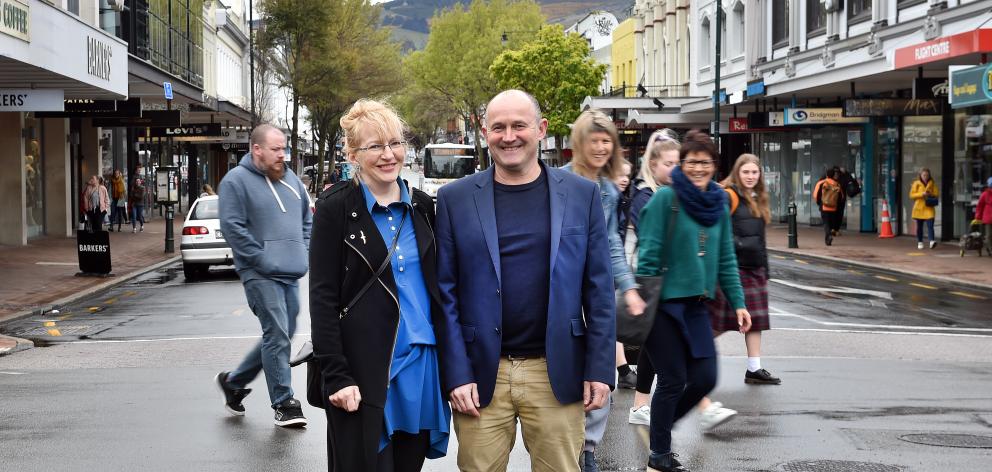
(688, 275)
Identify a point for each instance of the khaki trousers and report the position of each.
(553, 433)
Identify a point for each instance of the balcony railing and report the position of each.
(650, 91)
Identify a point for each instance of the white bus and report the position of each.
(445, 163)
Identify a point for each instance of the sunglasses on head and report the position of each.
(659, 138)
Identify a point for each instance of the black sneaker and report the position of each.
(290, 414)
(761, 376)
(665, 463)
(628, 381)
(232, 396)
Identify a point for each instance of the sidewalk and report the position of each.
(897, 254)
(42, 274)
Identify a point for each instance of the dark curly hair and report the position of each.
(698, 141)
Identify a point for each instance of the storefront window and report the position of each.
(34, 188)
(920, 149)
(972, 162)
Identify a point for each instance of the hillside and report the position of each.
(409, 17)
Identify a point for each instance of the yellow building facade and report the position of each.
(624, 57)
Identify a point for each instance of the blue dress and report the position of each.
(414, 402)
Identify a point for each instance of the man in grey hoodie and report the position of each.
(265, 216)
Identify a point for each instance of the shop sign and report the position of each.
(84, 108)
(970, 87)
(743, 124)
(204, 129)
(818, 116)
(15, 19)
(893, 106)
(756, 88)
(32, 99)
(930, 87)
(98, 55)
(236, 135)
(948, 47)
(85, 104)
(738, 125)
(147, 118)
(776, 118)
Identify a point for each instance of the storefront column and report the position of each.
(867, 174)
(13, 227)
(89, 139)
(947, 200)
(58, 178)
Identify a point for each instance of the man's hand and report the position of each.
(465, 399)
(635, 304)
(594, 394)
(347, 398)
(744, 320)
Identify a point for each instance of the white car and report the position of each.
(203, 243)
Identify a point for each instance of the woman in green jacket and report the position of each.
(693, 256)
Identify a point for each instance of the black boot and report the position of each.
(665, 463)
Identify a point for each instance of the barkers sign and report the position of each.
(15, 19)
(98, 56)
(32, 99)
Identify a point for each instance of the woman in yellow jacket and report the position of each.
(924, 193)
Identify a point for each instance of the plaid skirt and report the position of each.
(755, 284)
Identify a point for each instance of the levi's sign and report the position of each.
(205, 129)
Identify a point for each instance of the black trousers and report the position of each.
(645, 372)
(829, 223)
(405, 453)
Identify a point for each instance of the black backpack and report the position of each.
(853, 187)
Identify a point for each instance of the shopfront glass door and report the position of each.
(921, 149)
(34, 172)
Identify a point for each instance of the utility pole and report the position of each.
(715, 127)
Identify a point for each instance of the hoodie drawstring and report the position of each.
(276, 194)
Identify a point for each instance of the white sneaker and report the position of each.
(640, 415)
(933, 244)
(714, 416)
(919, 245)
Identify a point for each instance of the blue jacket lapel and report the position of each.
(557, 196)
(486, 206)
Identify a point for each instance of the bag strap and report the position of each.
(735, 201)
(378, 272)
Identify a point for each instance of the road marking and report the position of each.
(66, 316)
(57, 263)
(110, 301)
(885, 277)
(777, 312)
(857, 291)
(54, 332)
(969, 295)
(857, 272)
(801, 261)
(914, 254)
(866, 331)
(12, 373)
(48, 324)
(129, 293)
(779, 257)
(192, 338)
(93, 309)
(930, 287)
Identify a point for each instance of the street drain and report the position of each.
(973, 441)
(837, 466)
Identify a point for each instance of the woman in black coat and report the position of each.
(377, 347)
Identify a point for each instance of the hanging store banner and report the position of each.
(948, 47)
(147, 118)
(32, 99)
(893, 106)
(971, 87)
(818, 116)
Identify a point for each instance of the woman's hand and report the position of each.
(347, 398)
(744, 320)
(635, 304)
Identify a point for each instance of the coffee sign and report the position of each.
(15, 19)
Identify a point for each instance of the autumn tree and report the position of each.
(557, 70)
(461, 47)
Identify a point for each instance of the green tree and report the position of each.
(360, 60)
(295, 33)
(557, 70)
(425, 112)
(462, 46)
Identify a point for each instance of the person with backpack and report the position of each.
(926, 197)
(828, 196)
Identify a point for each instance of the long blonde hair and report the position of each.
(589, 122)
(661, 141)
(759, 203)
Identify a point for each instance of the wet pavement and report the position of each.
(875, 373)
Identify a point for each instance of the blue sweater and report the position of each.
(266, 223)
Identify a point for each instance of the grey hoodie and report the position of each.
(266, 223)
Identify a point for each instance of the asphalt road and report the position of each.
(869, 362)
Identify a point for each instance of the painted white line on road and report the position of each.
(860, 331)
(775, 312)
(57, 263)
(810, 288)
(12, 373)
(191, 338)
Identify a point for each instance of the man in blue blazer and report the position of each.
(527, 293)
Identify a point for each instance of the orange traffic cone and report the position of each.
(886, 228)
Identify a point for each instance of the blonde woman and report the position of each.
(596, 156)
(377, 345)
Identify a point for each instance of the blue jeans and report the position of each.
(682, 379)
(137, 214)
(276, 305)
(919, 229)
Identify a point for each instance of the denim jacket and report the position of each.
(623, 279)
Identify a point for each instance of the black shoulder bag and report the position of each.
(634, 330)
(315, 378)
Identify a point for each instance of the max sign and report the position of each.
(205, 129)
